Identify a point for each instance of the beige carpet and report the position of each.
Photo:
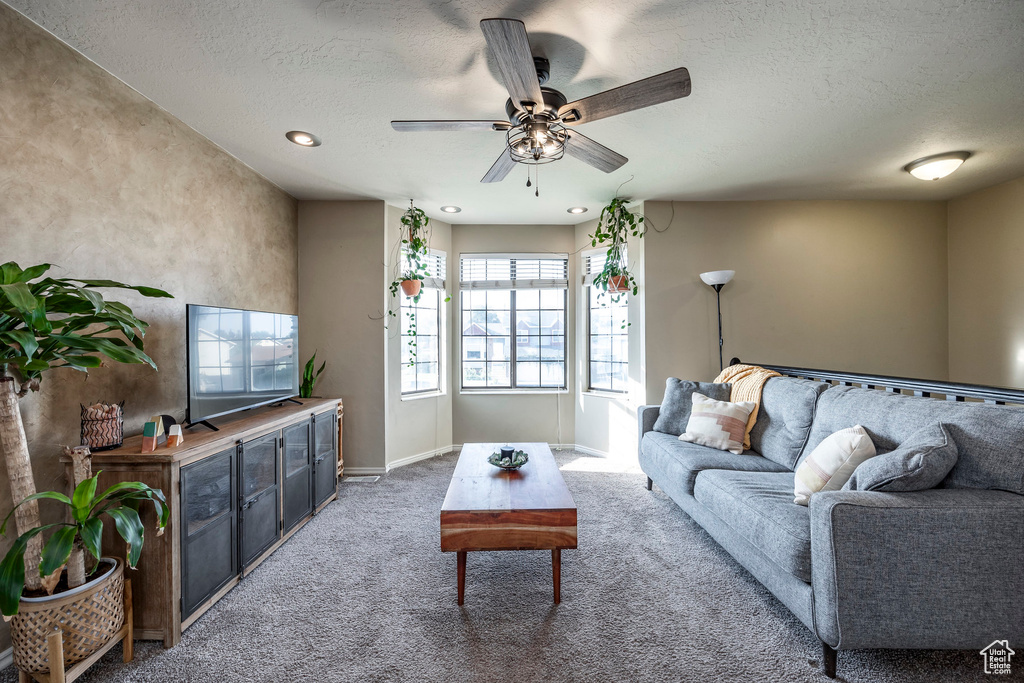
(363, 593)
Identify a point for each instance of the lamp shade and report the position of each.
(717, 277)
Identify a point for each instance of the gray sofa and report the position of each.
(942, 568)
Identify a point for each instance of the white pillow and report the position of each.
(832, 463)
(718, 424)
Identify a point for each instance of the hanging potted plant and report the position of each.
(615, 225)
(412, 266)
(48, 323)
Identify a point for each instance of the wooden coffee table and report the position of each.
(493, 509)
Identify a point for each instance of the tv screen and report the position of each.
(239, 359)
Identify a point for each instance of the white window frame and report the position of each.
(554, 277)
(435, 281)
(592, 264)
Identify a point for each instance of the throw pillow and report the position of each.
(675, 407)
(921, 462)
(718, 424)
(832, 463)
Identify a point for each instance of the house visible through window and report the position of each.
(607, 331)
(513, 321)
(421, 330)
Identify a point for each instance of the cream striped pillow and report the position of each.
(832, 462)
(718, 424)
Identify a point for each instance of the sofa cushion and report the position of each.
(675, 407)
(665, 457)
(718, 424)
(987, 437)
(784, 418)
(759, 507)
(920, 463)
(832, 463)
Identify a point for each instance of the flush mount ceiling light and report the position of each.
(451, 209)
(936, 166)
(577, 209)
(302, 138)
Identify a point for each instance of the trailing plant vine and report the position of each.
(413, 253)
(615, 225)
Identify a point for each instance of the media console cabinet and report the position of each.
(235, 496)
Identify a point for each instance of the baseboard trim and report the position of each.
(363, 471)
(591, 451)
(6, 658)
(401, 462)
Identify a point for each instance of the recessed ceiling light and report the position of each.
(577, 209)
(936, 166)
(450, 209)
(302, 138)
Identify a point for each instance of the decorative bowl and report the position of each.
(519, 458)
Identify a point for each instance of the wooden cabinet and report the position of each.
(235, 496)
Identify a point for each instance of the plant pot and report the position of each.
(411, 287)
(89, 617)
(618, 284)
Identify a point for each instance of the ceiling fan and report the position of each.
(540, 126)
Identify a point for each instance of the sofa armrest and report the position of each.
(646, 416)
(928, 569)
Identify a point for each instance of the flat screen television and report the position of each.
(239, 359)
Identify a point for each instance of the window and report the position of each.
(607, 331)
(513, 321)
(421, 325)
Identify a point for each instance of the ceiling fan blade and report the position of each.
(670, 85)
(419, 126)
(510, 46)
(500, 169)
(594, 153)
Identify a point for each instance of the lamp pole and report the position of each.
(716, 279)
(721, 341)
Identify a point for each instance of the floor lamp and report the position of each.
(718, 279)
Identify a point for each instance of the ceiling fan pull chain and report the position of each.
(536, 193)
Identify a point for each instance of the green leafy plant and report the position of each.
(309, 378)
(48, 323)
(615, 225)
(412, 254)
(120, 502)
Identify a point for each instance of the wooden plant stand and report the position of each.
(55, 642)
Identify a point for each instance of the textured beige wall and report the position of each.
(859, 286)
(419, 424)
(101, 182)
(986, 314)
(341, 301)
(518, 416)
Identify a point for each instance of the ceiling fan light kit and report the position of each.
(539, 118)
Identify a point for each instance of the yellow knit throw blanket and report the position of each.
(747, 383)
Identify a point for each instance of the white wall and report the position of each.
(606, 423)
(520, 416)
(416, 426)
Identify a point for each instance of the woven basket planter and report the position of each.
(89, 616)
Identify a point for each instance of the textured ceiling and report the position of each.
(801, 99)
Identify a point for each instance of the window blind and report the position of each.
(514, 271)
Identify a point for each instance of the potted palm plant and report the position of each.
(48, 323)
(615, 225)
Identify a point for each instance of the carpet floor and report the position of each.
(363, 593)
